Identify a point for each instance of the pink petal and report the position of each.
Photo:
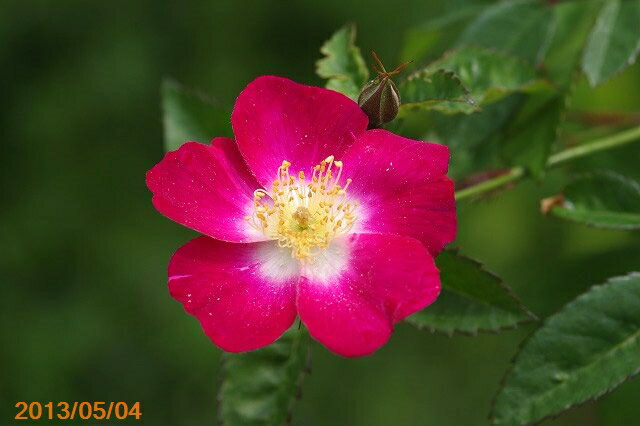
(224, 285)
(385, 278)
(276, 119)
(206, 188)
(402, 188)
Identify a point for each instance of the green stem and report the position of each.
(562, 157)
(490, 184)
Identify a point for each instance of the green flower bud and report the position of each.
(379, 98)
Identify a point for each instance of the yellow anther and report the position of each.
(305, 215)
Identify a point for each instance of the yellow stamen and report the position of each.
(305, 215)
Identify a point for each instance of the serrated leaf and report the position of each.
(436, 90)
(585, 350)
(472, 300)
(602, 199)
(343, 64)
(259, 388)
(191, 117)
(489, 75)
(614, 42)
(466, 78)
(519, 27)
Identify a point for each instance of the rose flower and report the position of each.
(305, 214)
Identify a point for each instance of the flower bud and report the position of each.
(379, 98)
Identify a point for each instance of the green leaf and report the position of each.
(519, 27)
(489, 75)
(474, 139)
(532, 132)
(472, 300)
(465, 78)
(343, 64)
(468, 131)
(436, 90)
(191, 117)
(259, 388)
(420, 39)
(614, 42)
(573, 21)
(588, 348)
(602, 199)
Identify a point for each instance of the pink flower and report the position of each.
(305, 214)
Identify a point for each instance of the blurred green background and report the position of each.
(85, 313)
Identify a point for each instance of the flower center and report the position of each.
(305, 215)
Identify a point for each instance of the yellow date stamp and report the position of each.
(98, 410)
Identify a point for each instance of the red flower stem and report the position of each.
(558, 159)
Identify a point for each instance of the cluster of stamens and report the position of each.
(304, 215)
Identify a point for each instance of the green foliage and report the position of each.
(436, 90)
(602, 199)
(527, 127)
(464, 79)
(489, 75)
(532, 131)
(573, 22)
(191, 117)
(472, 299)
(614, 42)
(343, 64)
(522, 130)
(588, 348)
(520, 27)
(419, 40)
(474, 139)
(259, 388)
(466, 132)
